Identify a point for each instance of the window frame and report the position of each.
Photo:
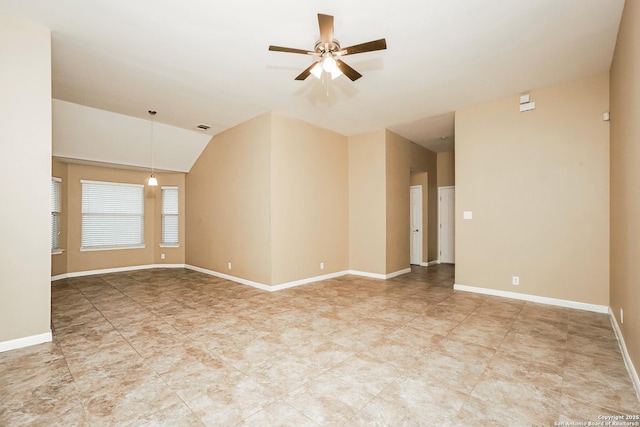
(56, 209)
(163, 243)
(113, 245)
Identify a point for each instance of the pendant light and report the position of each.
(152, 182)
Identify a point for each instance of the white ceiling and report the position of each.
(198, 61)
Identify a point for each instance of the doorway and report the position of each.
(415, 222)
(446, 224)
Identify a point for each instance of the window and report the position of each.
(112, 215)
(56, 196)
(170, 216)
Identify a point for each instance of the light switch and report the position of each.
(467, 215)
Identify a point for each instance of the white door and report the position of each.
(415, 223)
(447, 226)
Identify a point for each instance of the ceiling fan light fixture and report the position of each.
(327, 49)
(328, 63)
(316, 71)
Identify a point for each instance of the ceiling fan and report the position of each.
(327, 53)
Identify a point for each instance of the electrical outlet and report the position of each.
(228, 266)
(621, 316)
(162, 256)
(515, 280)
(322, 266)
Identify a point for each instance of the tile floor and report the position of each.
(180, 348)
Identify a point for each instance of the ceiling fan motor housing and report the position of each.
(332, 47)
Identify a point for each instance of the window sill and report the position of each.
(169, 245)
(112, 248)
(56, 251)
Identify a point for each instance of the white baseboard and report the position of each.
(625, 354)
(366, 274)
(229, 277)
(25, 342)
(296, 282)
(430, 263)
(534, 298)
(308, 280)
(234, 278)
(379, 275)
(398, 273)
(270, 288)
(114, 270)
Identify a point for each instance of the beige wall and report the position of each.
(312, 196)
(228, 207)
(25, 176)
(367, 202)
(398, 172)
(271, 197)
(309, 201)
(382, 167)
(538, 186)
(409, 164)
(625, 179)
(446, 169)
(79, 261)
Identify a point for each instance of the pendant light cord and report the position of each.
(152, 179)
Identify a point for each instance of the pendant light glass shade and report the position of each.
(153, 182)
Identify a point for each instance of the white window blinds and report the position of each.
(56, 203)
(169, 215)
(112, 215)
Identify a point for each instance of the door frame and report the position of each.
(448, 187)
(421, 233)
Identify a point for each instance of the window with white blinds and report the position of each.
(56, 204)
(169, 215)
(112, 215)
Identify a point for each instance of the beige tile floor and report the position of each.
(176, 347)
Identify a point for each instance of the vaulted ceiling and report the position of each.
(203, 62)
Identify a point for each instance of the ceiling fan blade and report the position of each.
(326, 28)
(348, 71)
(303, 75)
(289, 50)
(365, 47)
